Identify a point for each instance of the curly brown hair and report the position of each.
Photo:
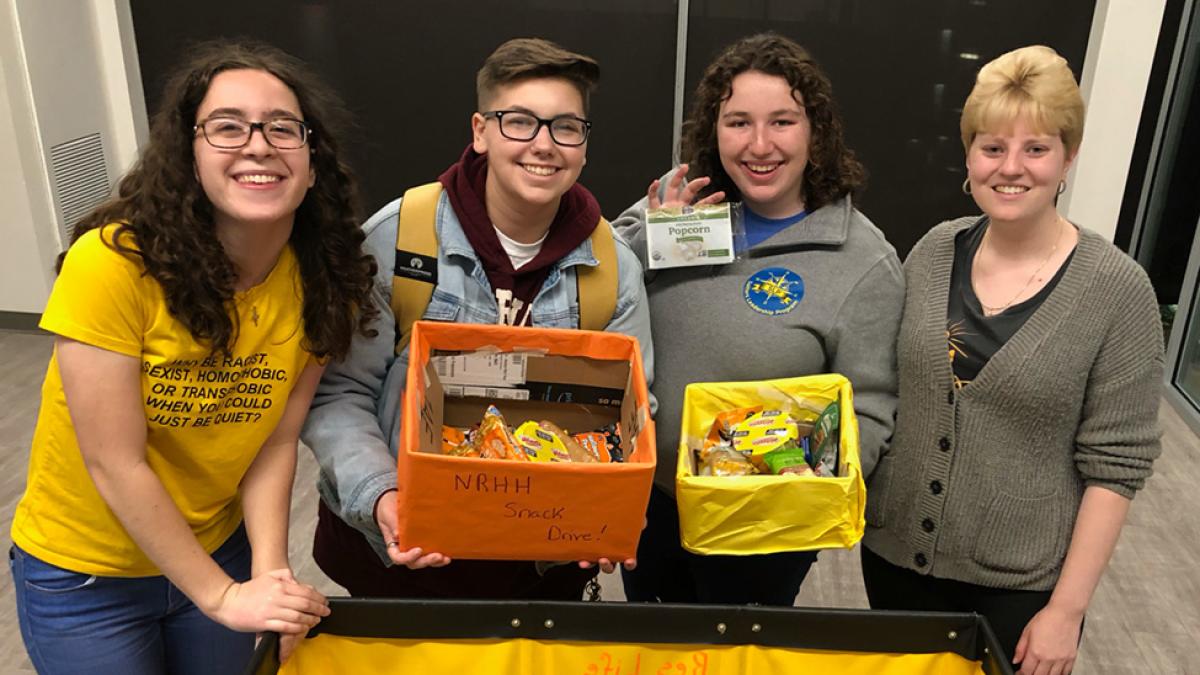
(832, 170)
(161, 204)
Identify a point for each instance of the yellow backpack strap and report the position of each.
(598, 285)
(415, 273)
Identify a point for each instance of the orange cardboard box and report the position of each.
(475, 508)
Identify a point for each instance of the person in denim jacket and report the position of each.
(513, 227)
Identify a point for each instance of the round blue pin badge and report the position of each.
(773, 290)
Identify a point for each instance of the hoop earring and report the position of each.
(966, 186)
(1062, 187)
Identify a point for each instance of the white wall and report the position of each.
(126, 101)
(27, 229)
(1115, 74)
(67, 68)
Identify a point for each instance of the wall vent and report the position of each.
(80, 180)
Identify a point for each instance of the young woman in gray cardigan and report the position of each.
(1030, 359)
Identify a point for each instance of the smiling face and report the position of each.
(531, 174)
(1015, 173)
(763, 138)
(257, 184)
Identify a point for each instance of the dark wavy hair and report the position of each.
(161, 204)
(832, 170)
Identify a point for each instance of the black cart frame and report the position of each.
(967, 635)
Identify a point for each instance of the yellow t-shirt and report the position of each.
(206, 416)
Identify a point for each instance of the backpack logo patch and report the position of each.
(415, 266)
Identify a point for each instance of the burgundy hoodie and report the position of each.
(578, 214)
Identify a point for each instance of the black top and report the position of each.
(972, 338)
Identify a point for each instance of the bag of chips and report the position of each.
(823, 443)
(494, 441)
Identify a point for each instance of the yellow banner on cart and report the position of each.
(326, 654)
(744, 515)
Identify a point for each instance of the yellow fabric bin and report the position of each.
(746, 515)
(326, 654)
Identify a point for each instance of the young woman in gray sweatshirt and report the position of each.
(764, 132)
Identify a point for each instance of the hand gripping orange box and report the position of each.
(491, 509)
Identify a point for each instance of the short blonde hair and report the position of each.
(1031, 82)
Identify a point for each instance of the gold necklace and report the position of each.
(990, 311)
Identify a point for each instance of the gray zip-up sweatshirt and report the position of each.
(707, 328)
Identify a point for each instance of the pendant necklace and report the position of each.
(990, 311)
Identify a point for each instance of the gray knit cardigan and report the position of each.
(983, 484)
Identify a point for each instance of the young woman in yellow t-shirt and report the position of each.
(193, 315)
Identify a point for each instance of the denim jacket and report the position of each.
(353, 426)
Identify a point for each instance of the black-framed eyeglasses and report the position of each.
(231, 133)
(518, 125)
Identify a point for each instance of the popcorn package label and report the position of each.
(684, 236)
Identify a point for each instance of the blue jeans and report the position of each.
(81, 623)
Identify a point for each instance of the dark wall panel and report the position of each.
(901, 72)
(407, 72)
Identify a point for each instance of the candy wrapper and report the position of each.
(773, 440)
(764, 432)
(533, 441)
(612, 438)
(539, 444)
(455, 443)
(823, 449)
(721, 433)
(494, 441)
(725, 461)
(787, 460)
(575, 451)
(596, 444)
